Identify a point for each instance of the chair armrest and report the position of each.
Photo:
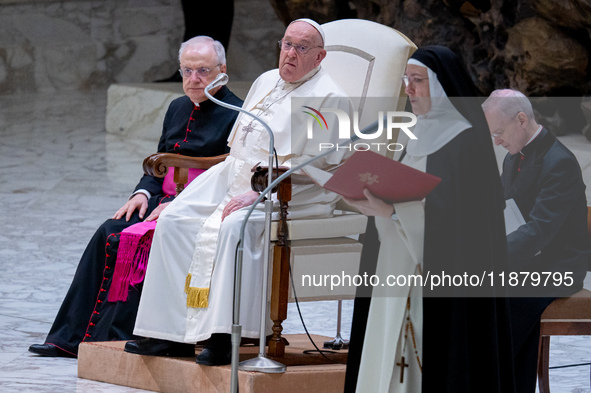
(260, 178)
(157, 164)
(259, 182)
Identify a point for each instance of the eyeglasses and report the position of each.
(203, 71)
(499, 133)
(414, 80)
(300, 49)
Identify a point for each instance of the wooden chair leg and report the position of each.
(280, 280)
(544, 364)
(279, 297)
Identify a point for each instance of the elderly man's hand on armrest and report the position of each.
(238, 202)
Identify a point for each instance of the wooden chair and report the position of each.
(563, 317)
(366, 59)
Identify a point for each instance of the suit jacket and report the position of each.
(550, 193)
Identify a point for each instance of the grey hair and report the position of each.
(509, 103)
(217, 46)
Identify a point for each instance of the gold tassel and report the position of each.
(196, 297)
(187, 283)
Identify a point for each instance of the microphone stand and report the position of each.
(260, 363)
(367, 130)
(222, 79)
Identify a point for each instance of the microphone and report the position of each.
(219, 80)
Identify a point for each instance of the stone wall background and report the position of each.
(540, 47)
(50, 45)
(53, 45)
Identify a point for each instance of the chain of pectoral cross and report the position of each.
(249, 127)
(408, 327)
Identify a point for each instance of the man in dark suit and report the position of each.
(544, 178)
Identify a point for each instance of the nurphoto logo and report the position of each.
(393, 120)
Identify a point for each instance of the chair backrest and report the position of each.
(367, 60)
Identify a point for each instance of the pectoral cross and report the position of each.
(245, 131)
(402, 364)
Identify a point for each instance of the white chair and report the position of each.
(367, 60)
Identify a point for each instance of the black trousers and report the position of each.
(85, 313)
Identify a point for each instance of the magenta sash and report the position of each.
(134, 247)
(132, 259)
(169, 187)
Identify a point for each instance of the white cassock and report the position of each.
(395, 320)
(188, 289)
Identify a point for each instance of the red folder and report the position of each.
(385, 178)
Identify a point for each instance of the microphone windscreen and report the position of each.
(220, 80)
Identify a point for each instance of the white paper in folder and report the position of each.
(513, 217)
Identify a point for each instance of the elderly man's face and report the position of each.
(508, 131)
(294, 65)
(198, 57)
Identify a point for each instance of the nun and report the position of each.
(454, 337)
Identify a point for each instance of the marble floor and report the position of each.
(60, 177)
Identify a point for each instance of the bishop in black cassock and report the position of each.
(85, 313)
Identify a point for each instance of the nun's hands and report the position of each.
(372, 206)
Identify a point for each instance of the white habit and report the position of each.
(394, 326)
(188, 289)
(395, 330)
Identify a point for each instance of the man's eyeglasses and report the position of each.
(499, 133)
(301, 49)
(413, 79)
(202, 72)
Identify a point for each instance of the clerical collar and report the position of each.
(532, 138)
(208, 103)
(535, 135)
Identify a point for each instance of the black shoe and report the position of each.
(157, 347)
(217, 352)
(50, 351)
